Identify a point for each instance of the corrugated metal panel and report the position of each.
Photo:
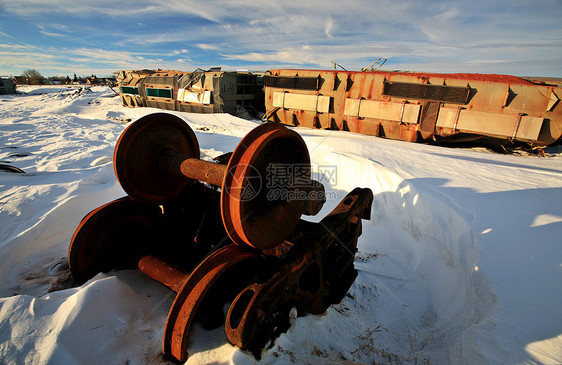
(195, 108)
(291, 82)
(160, 80)
(448, 94)
(161, 104)
(428, 119)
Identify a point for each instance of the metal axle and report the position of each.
(157, 158)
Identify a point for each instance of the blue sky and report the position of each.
(63, 37)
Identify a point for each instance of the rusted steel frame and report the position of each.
(316, 273)
(517, 125)
(193, 293)
(383, 128)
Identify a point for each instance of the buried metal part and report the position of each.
(113, 236)
(193, 292)
(157, 157)
(316, 273)
(10, 168)
(118, 234)
(182, 243)
(163, 272)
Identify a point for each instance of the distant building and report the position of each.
(7, 86)
(93, 80)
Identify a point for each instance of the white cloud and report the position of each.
(329, 26)
(51, 34)
(207, 46)
(49, 61)
(423, 33)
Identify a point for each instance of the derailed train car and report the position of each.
(418, 107)
(212, 91)
(409, 106)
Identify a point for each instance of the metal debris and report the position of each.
(212, 233)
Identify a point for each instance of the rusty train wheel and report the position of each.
(113, 236)
(251, 214)
(137, 154)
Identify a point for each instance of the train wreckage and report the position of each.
(214, 233)
(409, 106)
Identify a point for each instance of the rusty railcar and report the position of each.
(131, 88)
(417, 107)
(212, 91)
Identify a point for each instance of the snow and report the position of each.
(461, 261)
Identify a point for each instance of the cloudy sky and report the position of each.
(63, 37)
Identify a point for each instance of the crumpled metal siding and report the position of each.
(228, 90)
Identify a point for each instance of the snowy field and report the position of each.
(461, 262)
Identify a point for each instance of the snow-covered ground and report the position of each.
(460, 263)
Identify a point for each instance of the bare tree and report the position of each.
(33, 77)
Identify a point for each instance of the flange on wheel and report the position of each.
(113, 236)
